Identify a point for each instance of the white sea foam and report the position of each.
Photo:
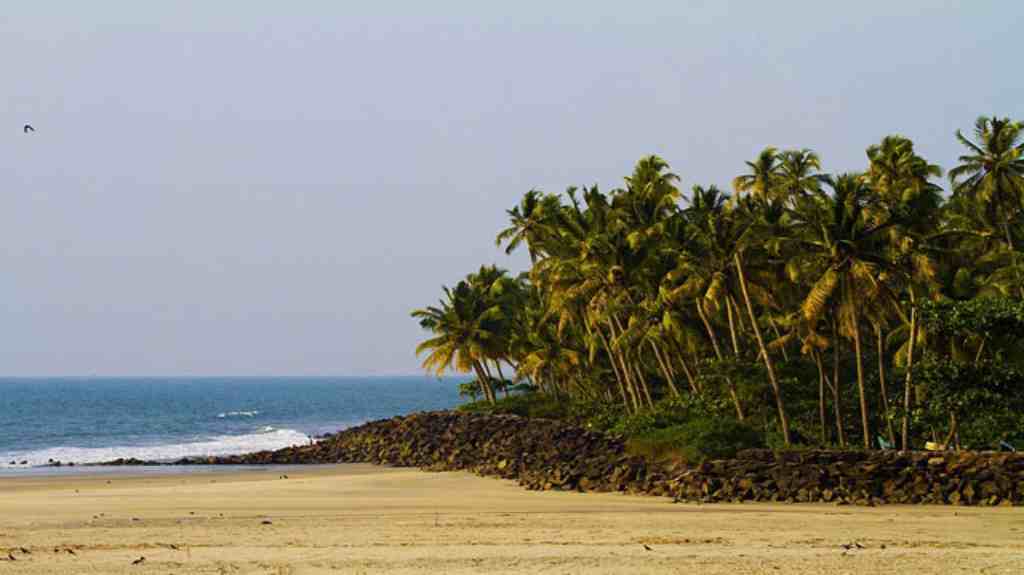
(268, 438)
(225, 414)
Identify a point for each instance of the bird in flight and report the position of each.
(28, 128)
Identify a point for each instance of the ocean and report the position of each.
(88, 420)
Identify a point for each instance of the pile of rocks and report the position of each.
(539, 453)
(546, 454)
(865, 478)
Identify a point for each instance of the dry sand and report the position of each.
(365, 519)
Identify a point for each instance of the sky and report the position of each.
(269, 188)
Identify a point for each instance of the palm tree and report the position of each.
(461, 334)
(529, 223)
(847, 254)
(903, 180)
(992, 172)
(797, 174)
(762, 180)
(705, 265)
(628, 291)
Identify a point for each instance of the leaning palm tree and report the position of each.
(529, 223)
(466, 326)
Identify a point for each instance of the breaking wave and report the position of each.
(225, 414)
(268, 438)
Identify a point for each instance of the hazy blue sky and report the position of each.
(270, 187)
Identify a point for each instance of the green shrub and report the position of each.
(668, 412)
(536, 405)
(698, 440)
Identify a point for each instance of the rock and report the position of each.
(547, 454)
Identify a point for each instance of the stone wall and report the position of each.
(866, 478)
(545, 454)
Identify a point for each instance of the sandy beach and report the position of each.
(366, 519)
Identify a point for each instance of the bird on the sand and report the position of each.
(647, 547)
(71, 552)
(10, 557)
(28, 128)
(139, 561)
(25, 551)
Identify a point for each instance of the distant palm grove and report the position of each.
(861, 309)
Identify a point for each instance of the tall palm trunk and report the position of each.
(686, 368)
(732, 328)
(490, 379)
(866, 429)
(680, 353)
(908, 384)
(638, 367)
(778, 334)
(881, 383)
(718, 354)
(954, 426)
(504, 382)
(665, 369)
(836, 357)
(821, 395)
(615, 368)
(485, 383)
(642, 387)
(631, 386)
(741, 327)
(783, 420)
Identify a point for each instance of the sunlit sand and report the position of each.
(367, 519)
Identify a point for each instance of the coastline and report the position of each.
(544, 454)
(358, 518)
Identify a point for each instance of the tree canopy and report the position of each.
(782, 300)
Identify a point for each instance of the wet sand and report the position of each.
(367, 519)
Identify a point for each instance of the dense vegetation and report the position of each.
(855, 309)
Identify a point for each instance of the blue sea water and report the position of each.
(87, 420)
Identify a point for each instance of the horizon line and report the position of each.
(233, 376)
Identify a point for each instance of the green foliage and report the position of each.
(470, 389)
(985, 397)
(666, 413)
(987, 317)
(794, 303)
(698, 440)
(535, 405)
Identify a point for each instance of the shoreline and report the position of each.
(362, 518)
(90, 470)
(543, 454)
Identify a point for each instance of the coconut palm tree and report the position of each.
(903, 181)
(847, 254)
(798, 173)
(629, 291)
(529, 223)
(991, 173)
(761, 181)
(461, 324)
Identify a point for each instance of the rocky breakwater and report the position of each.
(546, 454)
(538, 453)
(863, 478)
